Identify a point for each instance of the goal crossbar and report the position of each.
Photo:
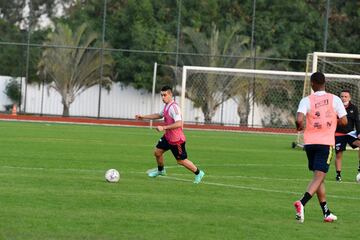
(339, 55)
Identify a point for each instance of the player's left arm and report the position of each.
(357, 121)
(340, 111)
(177, 124)
(175, 113)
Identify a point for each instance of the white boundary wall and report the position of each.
(120, 102)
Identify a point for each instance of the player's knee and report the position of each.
(157, 153)
(357, 143)
(180, 162)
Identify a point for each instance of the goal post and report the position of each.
(341, 70)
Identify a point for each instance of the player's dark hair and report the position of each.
(345, 90)
(318, 78)
(166, 88)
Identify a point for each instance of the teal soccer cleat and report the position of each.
(156, 173)
(199, 177)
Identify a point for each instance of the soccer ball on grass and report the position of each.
(112, 175)
(358, 178)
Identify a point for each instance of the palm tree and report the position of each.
(209, 91)
(76, 68)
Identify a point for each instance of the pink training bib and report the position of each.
(173, 136)
(321, 121)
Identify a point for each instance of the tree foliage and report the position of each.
(17, 12)
(344, 27)
(11, 55)
(141, 29)
(12, 91)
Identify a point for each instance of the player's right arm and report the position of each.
(149, 116)
(304, 107)
(357, 121)
(300, 121)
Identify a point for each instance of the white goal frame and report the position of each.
(255, 72)
(316, 56)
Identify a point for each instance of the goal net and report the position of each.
(342, 71)
(241, 97)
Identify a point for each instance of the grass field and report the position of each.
(52, 187)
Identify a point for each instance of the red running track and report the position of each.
(120, 122)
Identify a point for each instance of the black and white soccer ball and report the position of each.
(112, 175)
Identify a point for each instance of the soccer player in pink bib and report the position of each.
(173, 139)
(323, 112)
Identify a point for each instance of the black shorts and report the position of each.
(177, 150)
(341, 141)
(319, 157)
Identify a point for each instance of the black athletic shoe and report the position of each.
(338, 178)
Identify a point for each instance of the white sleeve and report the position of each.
(175, 112)
(353, 134)
(304, 106)
(339, 107)
(161, 113)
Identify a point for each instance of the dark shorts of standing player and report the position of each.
(177, 150)
(319, 157)
(341, 142)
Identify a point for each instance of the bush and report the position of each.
(12, 91)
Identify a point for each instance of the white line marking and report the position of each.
(256, 189)
(55, 169)
(266, 178)
(203, 182)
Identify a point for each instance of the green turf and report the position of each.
(52, 187)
